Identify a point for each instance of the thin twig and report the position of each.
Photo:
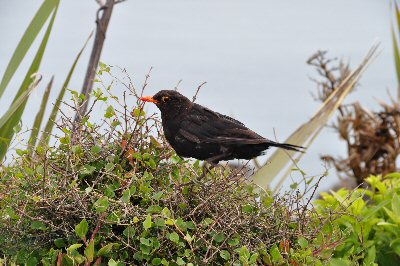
(197, 91)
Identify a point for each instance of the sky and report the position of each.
(252, 54)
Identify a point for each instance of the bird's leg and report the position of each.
(206, 169)
(213, 161)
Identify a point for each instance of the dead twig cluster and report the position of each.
(372, 138)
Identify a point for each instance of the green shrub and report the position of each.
(115, 193)
(371, 224)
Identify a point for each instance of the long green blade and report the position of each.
(17, 103)
(281, 160)
(7, 130)
(26, 41)
(397, 14)
(396, 51)
(50, 123)
(39, 117)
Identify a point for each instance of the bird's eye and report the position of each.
(165, 99)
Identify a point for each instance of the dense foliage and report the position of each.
(116, 194)
(372, 222)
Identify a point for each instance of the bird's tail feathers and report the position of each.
(287, 146)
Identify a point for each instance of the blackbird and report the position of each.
(198, 132)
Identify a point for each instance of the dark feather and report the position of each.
(196, 131)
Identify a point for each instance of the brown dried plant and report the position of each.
(372, 138)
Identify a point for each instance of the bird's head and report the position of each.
(168, 101)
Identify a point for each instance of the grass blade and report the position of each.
(39, 117)
(26, 41)
(7, 130)
(396, 6)
(17, 103)
(396, 58)
(396, 51)
(50, 123)
(283, 161)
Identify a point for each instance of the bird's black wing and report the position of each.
(202, 125)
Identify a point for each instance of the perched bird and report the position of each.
(198, 132)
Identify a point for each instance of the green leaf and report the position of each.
(87, 169)
(81, 229)
(302, 242)
(38, 225)
(89, 251)
(207, 221)
(145, 241)
(225, 254)
(234, 241)
(101, 204)
(126, 196)
(339, 262)
(156, 261)
(396, 50)
(166, 212)
(112, 262)
(392, 215)
(371, 255)
(110, 112)
(188, 238)
(147, 223)
(253, 258)
(396, 53)
(73, 247)
(174, 237)
(95, 149)
(395, 245)
(275, 254)
(9, 115)
(247, 208)
(396, 204)
(180, 261)
(281, 161)
(158, 195)
(181, 224)
(129, 232)
(109, 167)
(106, 249)
(44, 139)
(219, 237)
(244, 254)
(138, 112)
(39, 117)
(393, 175)
(154, 209)
(59, 243)
(6, 131)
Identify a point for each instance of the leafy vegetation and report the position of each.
(13, 116)
(115, 193)
(371, 221)
(11, 120)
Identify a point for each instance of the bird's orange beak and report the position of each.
(149, 99)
